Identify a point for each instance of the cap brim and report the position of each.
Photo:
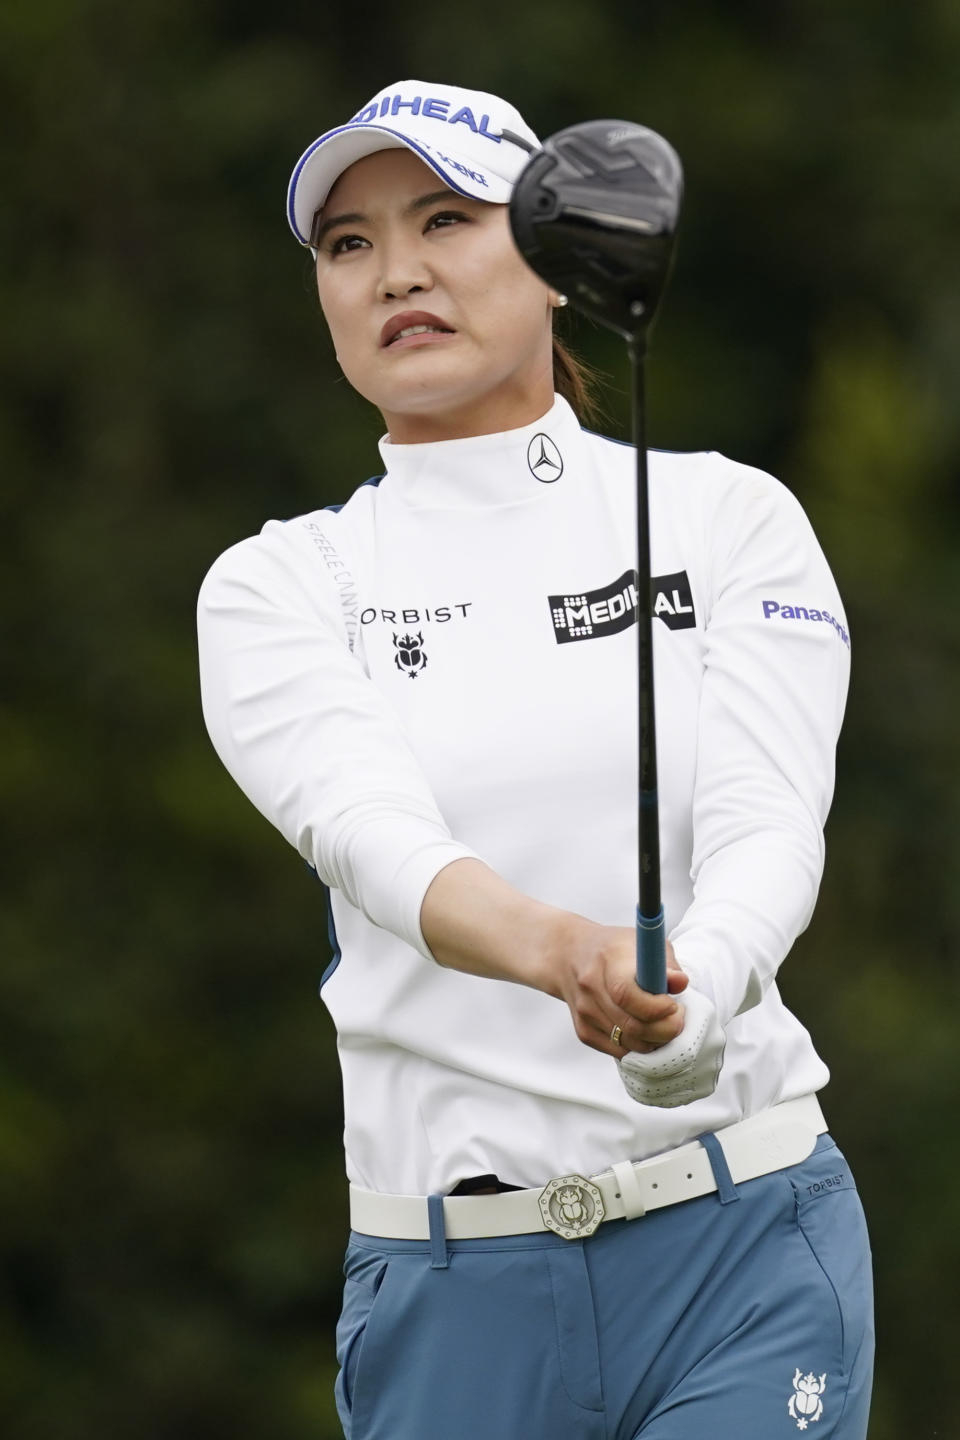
(326, 159)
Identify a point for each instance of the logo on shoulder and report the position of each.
(544, 459)
(594, 613)
(772, 609)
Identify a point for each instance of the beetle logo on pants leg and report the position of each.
(805, 1405)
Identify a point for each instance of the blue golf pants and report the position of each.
(742, 1315)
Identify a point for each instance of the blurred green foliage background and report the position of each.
(172, 1208)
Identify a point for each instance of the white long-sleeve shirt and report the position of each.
(446, 667)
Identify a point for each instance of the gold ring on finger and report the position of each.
(615, 1034)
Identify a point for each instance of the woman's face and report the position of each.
(399, 250)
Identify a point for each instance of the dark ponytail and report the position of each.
(577, 382)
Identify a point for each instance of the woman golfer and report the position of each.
(431, 692)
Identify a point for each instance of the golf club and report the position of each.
(594, 213)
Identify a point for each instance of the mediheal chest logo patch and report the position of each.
(589, 614)
(672, 602)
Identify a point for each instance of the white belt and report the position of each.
(574, 1206)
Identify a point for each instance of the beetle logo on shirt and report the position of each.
(589, 614)
(411, 657)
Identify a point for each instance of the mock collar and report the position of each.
(508, 467)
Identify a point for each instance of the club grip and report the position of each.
(651, 953)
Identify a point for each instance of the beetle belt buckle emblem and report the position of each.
(571, 1206)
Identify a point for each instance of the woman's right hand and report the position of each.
(595, 976)
(473, 920)
(670, 1051)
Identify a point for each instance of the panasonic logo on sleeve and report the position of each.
(772, 609)
(590, 614)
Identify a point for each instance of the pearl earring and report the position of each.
(561, 301)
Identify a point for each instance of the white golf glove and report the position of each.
(687, 1067)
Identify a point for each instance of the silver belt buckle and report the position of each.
(571, 1206)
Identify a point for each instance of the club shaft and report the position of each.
(651, 941)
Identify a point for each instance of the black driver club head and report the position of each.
(595, 213)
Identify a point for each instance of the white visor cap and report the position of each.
(458, 133)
